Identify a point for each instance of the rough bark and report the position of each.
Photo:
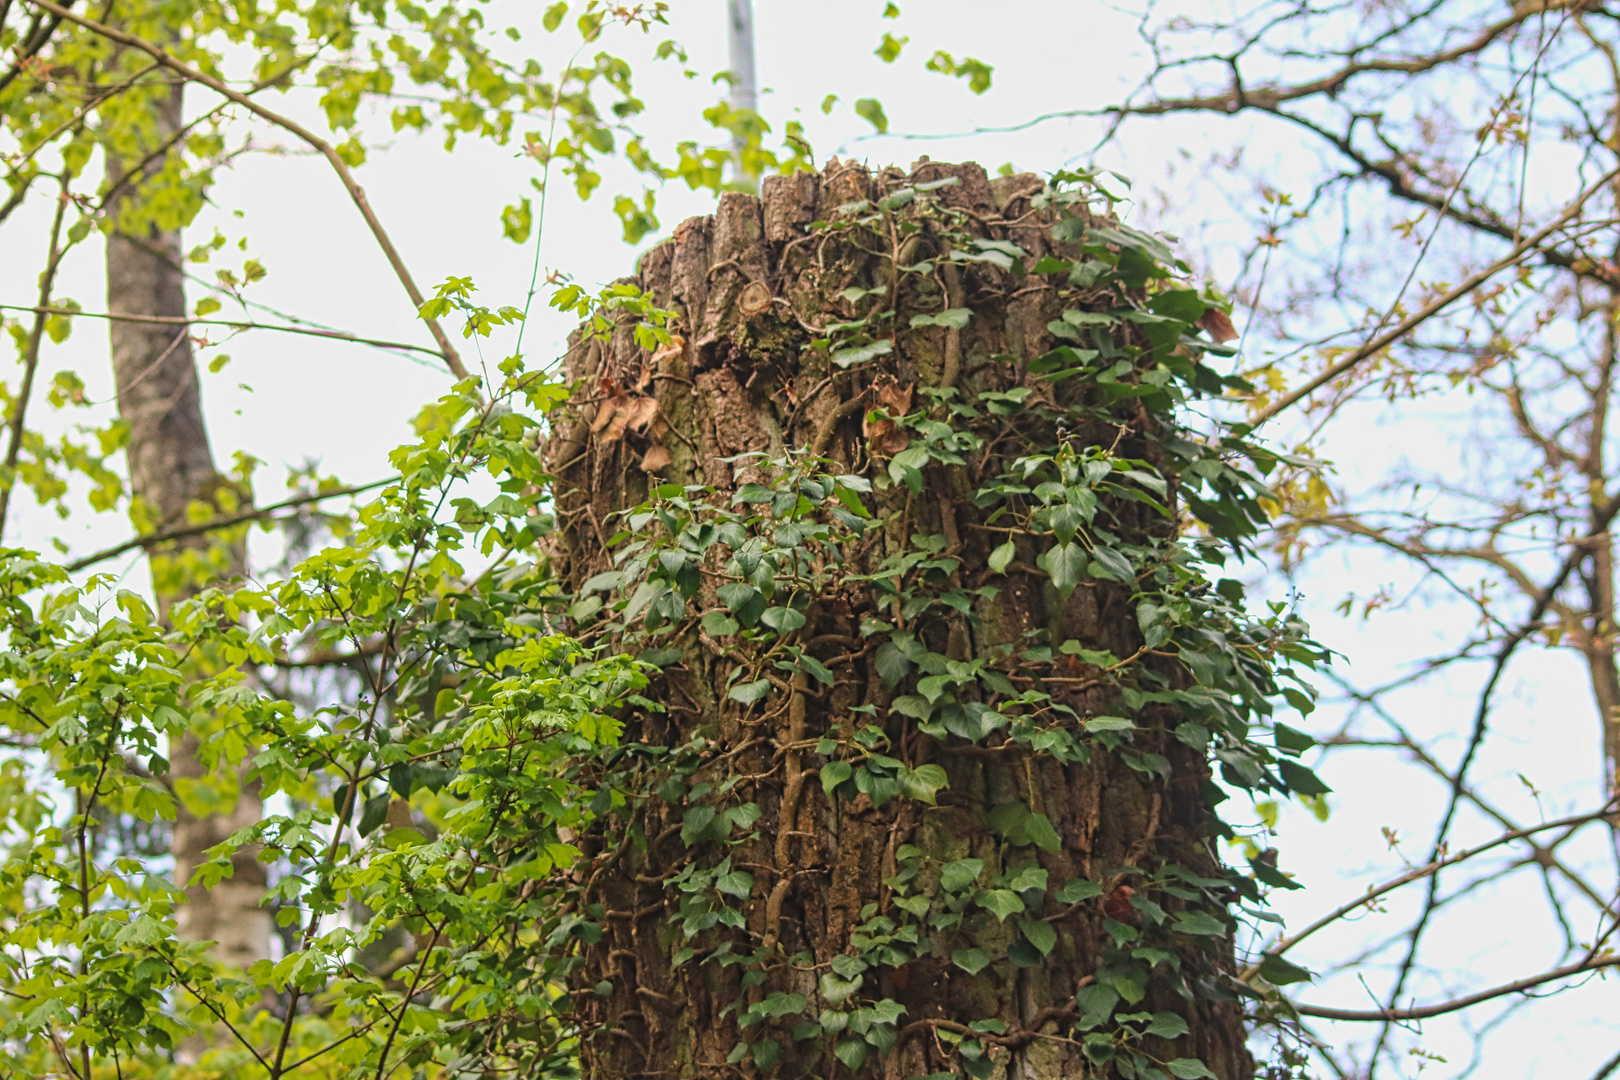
(754, 285)
(171, 468)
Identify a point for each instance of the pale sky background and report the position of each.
(285, 399)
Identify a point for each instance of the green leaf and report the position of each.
(718, 624)
(695, 822)
(971, 961)
(892, 665)
(1038, 827)
(1109, 723)
(871, 110)
(1300, 780)
(954, 318)
(1188, 1069)
(1096, 1004)
(852, 1052)
(922, 782)
(748, 693)
(1076, 890)
(1027, 877)
(784, 620)
(1167, 1025)
(1110, 564)
(374, 814)
(1039, 934)
(1003, 556)
(554, 16)
(834, 773)
(1001, 903)
(1291, 740)
(738, 883)
(766, 1052)
(1199, 922)
(1065, 563)
(958, 875)
(1279, 972)
(860, 354)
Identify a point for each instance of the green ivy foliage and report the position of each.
(746, 572)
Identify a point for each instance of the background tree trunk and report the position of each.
(754, 287)
(171, 468)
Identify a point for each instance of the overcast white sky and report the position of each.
(285, 399)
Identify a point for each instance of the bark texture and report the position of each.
(754, 285)
(171, 468)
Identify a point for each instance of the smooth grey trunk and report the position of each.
(171, 466)
(744, 75)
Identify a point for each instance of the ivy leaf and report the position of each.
(1199, 922)
(748, 693)
(1110, 564)
(1001, 903)
(738, 883)
(815, 668)
(955, 318)
(766, 1052)
(780, 1004)
(958, 875)
(852, 1052)
(695, 822)
(892, 665)
(971, 961)
(834, 773)
(1188, 1069)
(1003, 556)
(1065, 563)
(1167, 1025)
(835, 989)
(1076, 890)
(1039, 934)
(1096, 1004)
(922, 782)
(1028, 877)
(784, 620)
(718, 624)
(1038, 827)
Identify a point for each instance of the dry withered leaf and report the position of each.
(1218, 324)
(755, 298)
(604, 415)
(655, 459)
(669, 350)
(639, 412)
(1117, 904)
(893, 398)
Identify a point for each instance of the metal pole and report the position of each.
(744, 78)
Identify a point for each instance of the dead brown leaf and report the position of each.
(655, 459)
(604, 413)
(669, 350)
(1218, 324)
(639, 412)
(893, 398)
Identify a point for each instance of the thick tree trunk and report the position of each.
(755, 287)
(171, 468)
